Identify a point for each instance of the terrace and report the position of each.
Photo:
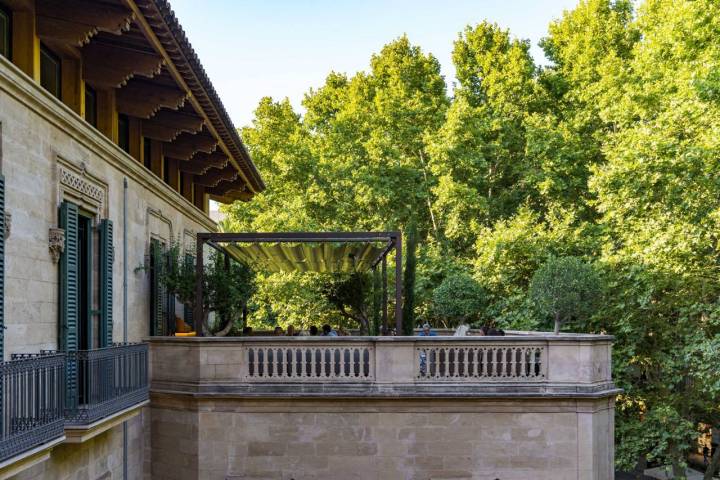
(263, 406)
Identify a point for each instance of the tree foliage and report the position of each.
(227, 287)
(608, 154)
(459, 299)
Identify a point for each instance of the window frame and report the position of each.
(91, 93)
(7, 13)
(147, 153)
(124, 132)
(45, 52)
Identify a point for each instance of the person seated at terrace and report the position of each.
(291, 331)
(313, 331)
(427, 331)
(278, 332)
(328, 331)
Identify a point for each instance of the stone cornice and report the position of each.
(24, 90)
(455, 390)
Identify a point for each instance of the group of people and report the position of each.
(313, 331)
(485, 330)
(328, 331)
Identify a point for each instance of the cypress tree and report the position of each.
(409, 280)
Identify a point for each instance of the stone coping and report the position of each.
(387, 391)
(513, 337)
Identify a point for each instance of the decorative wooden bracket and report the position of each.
(143, 99)
(76, 22)
(109, 66)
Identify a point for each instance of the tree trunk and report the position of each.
(226, 329)
(714, 463)
(436, 230)
(678, 472)
(640, 467)
(204, 323)
(557, 324)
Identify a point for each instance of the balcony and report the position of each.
(55, 397)
(108, 380)
(33, 411)
(105, 387)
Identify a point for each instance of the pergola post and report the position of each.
(198, 312)
(398, 283)
(384, 296)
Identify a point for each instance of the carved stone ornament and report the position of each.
(57, 243)
(8, 223)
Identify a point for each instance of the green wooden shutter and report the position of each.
(170, 303)
(2, 287)
(68, 324)
(2, 269)
(158, 298)
(106, 283)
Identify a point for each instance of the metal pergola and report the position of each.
(393, 241)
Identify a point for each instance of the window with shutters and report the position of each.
(86, 286)
(162, 304)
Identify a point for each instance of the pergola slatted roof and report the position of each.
(308, 257)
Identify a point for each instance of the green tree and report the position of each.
(459, 299)
(349, 294)
(226, 287)
(478, 154)
(566, 288)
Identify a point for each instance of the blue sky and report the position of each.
(281, 48)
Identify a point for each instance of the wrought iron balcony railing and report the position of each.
(105, 381)
(33, 407)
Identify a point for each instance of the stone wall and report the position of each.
(383, 440)
(296, 408)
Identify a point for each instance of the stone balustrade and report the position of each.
(520, 364)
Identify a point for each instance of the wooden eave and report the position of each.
(137, 54)
(160, 26)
